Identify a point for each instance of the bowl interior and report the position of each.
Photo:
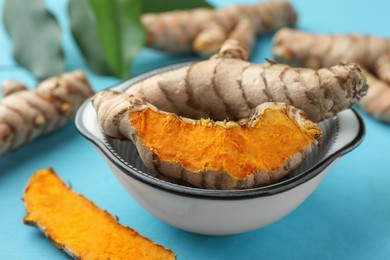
(342, 133)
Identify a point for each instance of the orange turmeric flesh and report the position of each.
(236, 149)
(79, 227)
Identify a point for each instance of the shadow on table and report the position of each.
(46, 147)
(44, 246)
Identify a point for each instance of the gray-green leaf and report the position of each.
(120, 32)
(36, 37)
(84, 32)
(157, 6)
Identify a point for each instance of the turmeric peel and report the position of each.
(217, 155)
(80, 228)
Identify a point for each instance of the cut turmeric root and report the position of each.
(256, 151)
(77, 226)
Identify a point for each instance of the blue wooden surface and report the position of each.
(347, 217)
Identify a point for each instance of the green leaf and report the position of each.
(120, 32)
(84, 32)
(36, 37)
(157, 6)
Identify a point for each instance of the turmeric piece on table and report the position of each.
(27, 114)
(204, 30)
(78, 227)
(318, 50)
(377, 101)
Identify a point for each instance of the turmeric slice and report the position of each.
(256, 151)
(77, 226)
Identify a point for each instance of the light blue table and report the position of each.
(347, 217)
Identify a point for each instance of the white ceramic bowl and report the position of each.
(220, 212)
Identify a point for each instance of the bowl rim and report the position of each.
(154, 182)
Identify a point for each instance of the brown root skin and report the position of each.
(244, 34)
(382, 68)
(209, 39)
(231, 49)
(132, 119)
(28, 114)
(318, 51)
(208, 29)
(226, 88)
(377, 101)
(372, 53)
(77, 226)
(9, 87)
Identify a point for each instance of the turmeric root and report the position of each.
(256, 151)
(11, 86)
(230, 88)
(244, 34)
(77, 226)
(231, 49)
(377, 101)
(382, 67)
(315, 51)
(204, 30)
(27, 114)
